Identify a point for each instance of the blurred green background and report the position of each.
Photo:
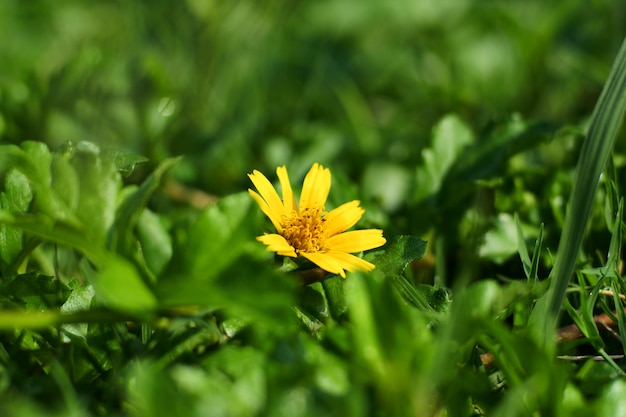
(445, 118)
(359, 86)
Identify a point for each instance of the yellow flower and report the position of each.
(307, 230)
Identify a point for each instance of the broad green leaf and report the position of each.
(397, 254)
(34, 291)
(214, 241)
(79, 300)
(312, 302)
(450, 136)
(611, 402)
(238, 375)
(74, 195)
(120, 286)
(17, 192)
(500, 242)
(334, 289)
(220, 264)
(99, 184)
(156, 242)
(16, 198)
(40, 176)
(249, 287)
(486, 159)
(438, 298)
(40, 156)
(12, 156)
(131, 208)
(125, 162)
(330, 373)
(483, 300)
(65, 180)
(151, 393)
(387, 183)
(60, 232)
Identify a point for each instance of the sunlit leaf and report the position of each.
(450, 136)
(397, 254)
(120, 286)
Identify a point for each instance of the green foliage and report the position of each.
(131, 283)
(603, 129)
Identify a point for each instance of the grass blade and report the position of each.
(605, 122)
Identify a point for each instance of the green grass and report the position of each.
(478, 136)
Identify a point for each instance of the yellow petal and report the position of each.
(315, 187)
(277, 243)
(356, 240)
(266, 210)
(343, 217)
(326, 262)
(351, 262)
(288, 201)
(275, 210)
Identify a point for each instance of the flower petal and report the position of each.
(276, 210)
(326, 262)
(288, 201)
(315, 187)
(356, 240)
(343, 217)
(351, 262)
(277, 243)
(266, 210)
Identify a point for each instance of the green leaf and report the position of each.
(603, 128)
(99, 184)
(214, 241)
(16, 198)
(438, 298)
(38, 172)
(220, 264)
(65, 181)
(119, 286)
(486, 159)
(60, 232)
(376, 180)
(129, 211)
(125, 162)
(312, 302)
(500, 242)
(17, 192)
(611, 403)
(156, 243)
(34, 291)
(74, 195)
(11, 156)
(397, 254)
(79, 300)
(450, 136)
(334, 289)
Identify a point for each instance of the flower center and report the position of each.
(304, 230)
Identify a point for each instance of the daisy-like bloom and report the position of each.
(307, 229)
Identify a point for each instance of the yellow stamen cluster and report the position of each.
(304, 230)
